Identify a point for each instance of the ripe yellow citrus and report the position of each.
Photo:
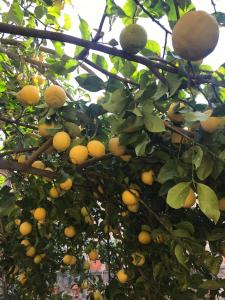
(38, 164)
(21, 159)
(222, 204)
(133, 38)
(67, 259)
(78, 154)
(97, 295)
(31, 251)
(115, 148)
(138, 259)
(175, 116)
(25, 228)
(96, 149)
(84, 212)
(25, 243)
(93, 254)
(61, 141)
(122, 276)
(22, 278)
(88, 220)
(40, 214)
(66, 185)
(53, 193)
(147, 177)
(85, 285)
(43, 128)
(29, 94)
(211, 124)
(126, 158)
(73, 260)
(55, 96)
(17, 222)
(38, 79)
(133, 208)
(70, 231)
(190, 200)
(195, 35)
(130, 197)
(37, 259)
(144, 237)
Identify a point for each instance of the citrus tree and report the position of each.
(135, 179)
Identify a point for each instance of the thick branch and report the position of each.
(17, 123)
(39, 151)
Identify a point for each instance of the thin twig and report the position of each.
(165, 44)
(214, 6)
(9, 152)
(39, 151)
(10, 121)
(177, 9)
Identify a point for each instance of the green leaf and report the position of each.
(118, 101)
(181, 233)
(178, 194)
(15, 13)
(213, 284)
(73, 129)
(67, 22)
(220, 17)
(186, 226)
(193, 155)
(151, 48)
(90, 82)
(59, 48)
(208, 202)
(153, 123)
(206, 167)
(84, 29)
(174, 82)
(100, 61)
(167, 171)
(140, 148)
(40, 11)
(195, 116)
(181, 257)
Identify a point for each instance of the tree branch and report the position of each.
(177, 9)
(16, 122)
(39, 151)
(9, 152)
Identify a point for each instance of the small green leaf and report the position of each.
(140, 148)
(118, 101)
(178, 194)
(151, 48)
(181, 257)
(100, 61)
(208, 202)
(84, 29)
(59, 48)
(15, 13)
(40, 11)
(153, 123)
(195, 116)
(213, 284)
(67, 22)
(90, 82)
(167, 171)
(174, 82)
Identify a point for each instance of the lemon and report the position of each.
(53, 193)
(126, 157)
(70, 231)
(40, 214)
(22, 278)
(67, 259)
(37, 259)
(38, 164)
(144, 237)
(25, 228)
(133, 208)
(78, 154)
(17, 222)
(73, 260)
(147, 177)
(122, 276)
(211, 124)
(38, 79)
(176, 116)
(88, 220)
(130, 197)
(93, 254)
(97, 295)
(43, 128)
(133, 38)
(25, 243)
(66, 185)
(115, 148)
(21, 159)
(195, 35)
(84, 212)
(138, 259)
(29, 94)
(190, 200)
(55, 96)
(96, 149)
(61, 141)
(222, 204)
(31, 251)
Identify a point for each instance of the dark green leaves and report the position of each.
(7, 201)
(208, 202)
(90, 82)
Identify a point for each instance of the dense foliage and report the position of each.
(182, 158)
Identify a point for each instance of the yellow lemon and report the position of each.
(25, 243)
(126, 158)
(133, 208)
(211, 124)
(78, 154)
(130, 197)
(61, 141)
(66, 185)
(21, 159)
(96, 149)
(147, 177)
(97, 295)
(38, 79)
(38, 164)
(67, 259)
(176, 116)
(40, 214)
(53, 193)
(133, 38)
(29, 94)
(25, 228)
(43, 128)
(93, 254)
(195, 35)
(22, 278)
(122, 276)
(55, 96)
(190, 200)
(222, 204)
(144, 237)
(31, 251)
(84, 212)
(70, 231)
(88, 220)
(73, 260)
(138, 259)
(115, 148)
(37, 259)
